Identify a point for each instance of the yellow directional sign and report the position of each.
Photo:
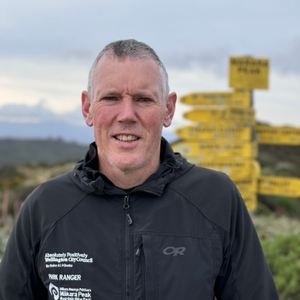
(278, 135)
(234, 99)
(250, 200)
(233, 167)
(246, 185)
(245, 116)
(213, 131)
(279, 186)
(248, 73)
(213, 148)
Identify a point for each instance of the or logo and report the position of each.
(174, 251)
(54, 291)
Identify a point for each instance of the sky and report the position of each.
(48, 47)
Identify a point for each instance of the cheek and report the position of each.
(102, 118)
(155, 119)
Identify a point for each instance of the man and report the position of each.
(134, 220)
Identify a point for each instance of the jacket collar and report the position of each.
(88, 178)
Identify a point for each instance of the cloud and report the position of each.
(27, 81)
(288, 62)
(204, 33)
(37, 121)
(77, 54)
(284, 61)
(215, 59)
(39, 113)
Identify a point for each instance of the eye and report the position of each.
(109, 98)
(145, 100)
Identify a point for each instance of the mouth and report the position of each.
(126, 138)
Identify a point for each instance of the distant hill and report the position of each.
(50, 151)
(276, 160)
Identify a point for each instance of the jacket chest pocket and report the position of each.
(173, 267)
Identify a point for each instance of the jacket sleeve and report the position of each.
(244, 273)
(18, 275)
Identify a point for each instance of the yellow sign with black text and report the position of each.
(278, 135)
(247, 184)
(218, 149)
(233, 99)
(213, 131)
(279, 186)
(249, 73)
(245, 116)
(235, 168)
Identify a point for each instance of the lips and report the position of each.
(126, 138)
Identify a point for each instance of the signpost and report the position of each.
(214, 131)
(277, 135)
(233, 99)
(226, 135)
(279, 186)
(248, 73)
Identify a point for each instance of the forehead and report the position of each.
(134, 73)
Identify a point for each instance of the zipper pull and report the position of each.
(138, 251)
(129, 220)
(126, 202)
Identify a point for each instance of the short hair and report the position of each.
(131, 49)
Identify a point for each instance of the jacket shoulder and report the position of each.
(43, 208)
(212, 192)
(49, 202)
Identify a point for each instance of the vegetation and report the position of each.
(283, 256)
(39, 151)
(279, 160)
(16, 183)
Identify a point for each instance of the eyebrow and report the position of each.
(138, 94)
(147, 95)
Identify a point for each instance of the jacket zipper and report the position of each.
(128, 222)
(140, 255)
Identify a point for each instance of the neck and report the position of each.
(127, 179)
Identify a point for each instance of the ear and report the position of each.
(87, 108)
(170, 109)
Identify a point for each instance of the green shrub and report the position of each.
(262, 209)
(290, 205)
(4, 234)
(281, 205)
(283, 256)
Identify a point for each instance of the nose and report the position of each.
(127, 113)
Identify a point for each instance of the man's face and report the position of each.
(128, 113)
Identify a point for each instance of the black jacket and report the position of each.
(183, 234)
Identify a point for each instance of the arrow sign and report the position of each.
(233, 99)
(247, 184)
(218, 149)
(208, 131)
(277, 135)
(245, 116)
(235, 168)
(279, 186)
